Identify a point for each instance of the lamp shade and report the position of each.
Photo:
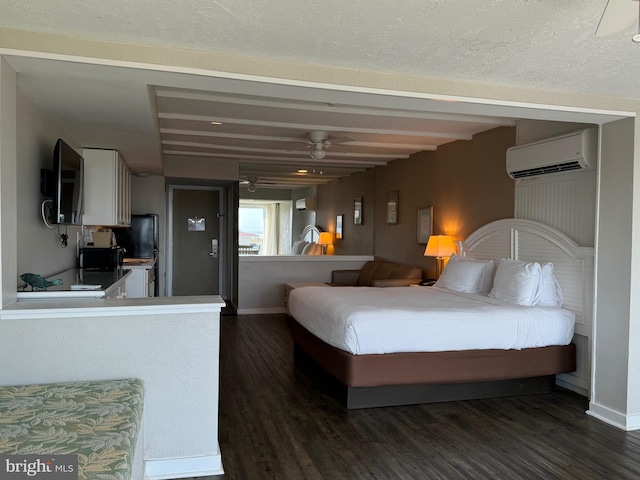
(325, 238)
(439, 246)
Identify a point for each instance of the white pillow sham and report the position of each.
(466, 275)
(487, 275)
(549, 290)
(516, 282)
(298, 246)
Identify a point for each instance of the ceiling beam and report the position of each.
(241, 136)
(390, 156)
(288, 169)
(325, 107)
(267, 160)
(310, 127)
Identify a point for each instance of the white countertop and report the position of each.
(101, 307)
(102, 280)
(304, 258)
(145, 263)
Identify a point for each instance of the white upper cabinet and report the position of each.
(107, 189)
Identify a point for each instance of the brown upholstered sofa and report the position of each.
(376, 273)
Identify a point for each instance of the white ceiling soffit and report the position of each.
(150, 115)
(262, 133)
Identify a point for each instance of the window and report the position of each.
(264, 227)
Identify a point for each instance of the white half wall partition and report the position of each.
(171, 344)
(261, 279)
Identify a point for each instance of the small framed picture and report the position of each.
(196, 224)
(339, 219)
(425, 224)
(357, 211)
(392, 207)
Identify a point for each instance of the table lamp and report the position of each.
(439, 246)
(324, 239)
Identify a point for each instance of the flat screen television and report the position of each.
(65, 184)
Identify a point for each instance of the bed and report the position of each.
(380, 350)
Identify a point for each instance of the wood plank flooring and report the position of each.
(277, 422)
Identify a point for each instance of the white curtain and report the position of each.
(270, 244)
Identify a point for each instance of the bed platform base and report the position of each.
(363, 381)
(388, 395)
(394, 395)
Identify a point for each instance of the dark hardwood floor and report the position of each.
(278, 422)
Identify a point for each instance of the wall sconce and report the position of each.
(324, 239)
(439, 246)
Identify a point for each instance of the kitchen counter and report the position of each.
(145, 263)
(105, 282)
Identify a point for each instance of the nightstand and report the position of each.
(425, 283)
(290, 286)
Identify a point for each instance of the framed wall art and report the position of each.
(425, 224)
(357, 211)
(392, 207)
(339, 220)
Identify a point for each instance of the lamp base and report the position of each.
(439, 266)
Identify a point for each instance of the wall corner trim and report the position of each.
(613, 417)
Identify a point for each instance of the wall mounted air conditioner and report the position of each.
(307, 203)
(573, 151)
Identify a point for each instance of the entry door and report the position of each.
(195, 232)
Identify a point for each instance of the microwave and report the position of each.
(98, 258)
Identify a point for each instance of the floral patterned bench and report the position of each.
(97, 420)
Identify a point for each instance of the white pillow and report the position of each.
(308, 249)
(486, 279)
(489, 269)
(312, 249)
(516, 282)
(297, 247)
(462, 275)
(549, 291)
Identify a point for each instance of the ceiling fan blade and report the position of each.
(304, 147)
(341, 140)
(618, 16)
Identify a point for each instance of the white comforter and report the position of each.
(367, 320)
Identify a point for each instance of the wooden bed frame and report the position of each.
(409, 378)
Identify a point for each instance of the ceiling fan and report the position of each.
(618, 16)
(252, 183)
(318, 141)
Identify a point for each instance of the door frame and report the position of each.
(223, 248)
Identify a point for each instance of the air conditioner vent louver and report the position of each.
(562, 167)
(307, 203)
(572, 151)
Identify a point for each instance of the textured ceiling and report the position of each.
(543, 44)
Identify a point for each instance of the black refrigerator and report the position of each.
(140, 240)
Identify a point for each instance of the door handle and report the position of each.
(214, 248)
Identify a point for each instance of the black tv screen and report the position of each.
(68, 190)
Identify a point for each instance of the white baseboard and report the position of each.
(262, 310)
(613, 417)
(183, 467)
(573, 383)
